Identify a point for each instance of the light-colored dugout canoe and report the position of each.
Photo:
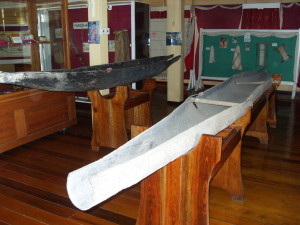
(206, 113)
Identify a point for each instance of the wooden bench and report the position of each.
(114, 113)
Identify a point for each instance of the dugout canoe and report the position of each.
(206, 113)
(92, 77)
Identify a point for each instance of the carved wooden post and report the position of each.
(113, 114)
(272, 121)
(141, 113)
(229, 176)
(108, 119)
(264, 113)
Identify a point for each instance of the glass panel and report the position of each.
(50, 35)
(142, 41)
(15, 55)
(78, 35)
(51, 55)
(50, 21)
(31, 35)
(78, 31)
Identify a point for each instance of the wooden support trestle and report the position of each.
(258, 127)
(113, 114)
(178, 193)
(271, 118)
(263, 114)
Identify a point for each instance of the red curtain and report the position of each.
(260, 19)
(291, 17)
(219, 18)
(291, 20)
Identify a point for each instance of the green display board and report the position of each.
(249, 50)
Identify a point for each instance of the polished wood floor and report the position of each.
(33, 177)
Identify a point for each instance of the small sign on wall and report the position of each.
(247, 37)
(85, 47)
(80, 25)
(58, 33)
(111, 45)
(173, 38)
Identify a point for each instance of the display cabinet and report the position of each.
(29, 114)
(34, 34)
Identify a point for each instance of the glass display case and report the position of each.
(135, 18)
(45, 34)
(33, 35)
(14, 25)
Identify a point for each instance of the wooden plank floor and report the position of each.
(33, 177)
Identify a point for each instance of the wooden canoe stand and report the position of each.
(113, 114)
(263, 114)
(178, 194)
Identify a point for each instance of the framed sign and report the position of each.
(15, 39)
(85, 47)
(173, 38)
(42, 38)
(27, 37)
(111, 45)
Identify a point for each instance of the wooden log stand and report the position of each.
(263, 113)
(179, 192)
(113, 114)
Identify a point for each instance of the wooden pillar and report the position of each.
(32, 18)
(175, 23)
(66, 34)
(98, 12)
(32, 21)
(99, 52)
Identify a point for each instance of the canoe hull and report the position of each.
(167, 140)
(91, 78)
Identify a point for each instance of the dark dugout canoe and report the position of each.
(92, 77)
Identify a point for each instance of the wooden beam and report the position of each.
(66, 34)
(98, 12)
